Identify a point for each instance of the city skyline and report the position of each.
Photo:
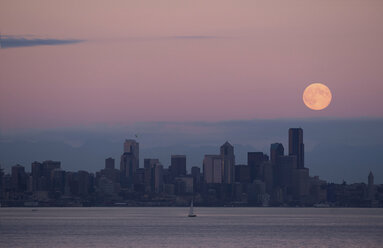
(278, 179)
(194, 74)
(351, 145)
(121, 119)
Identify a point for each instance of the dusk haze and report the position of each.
(112, 109)
(214, 60)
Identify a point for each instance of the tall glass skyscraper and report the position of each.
(296, 146)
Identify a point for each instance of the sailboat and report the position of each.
(191, 213)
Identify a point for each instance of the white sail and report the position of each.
(191, 210)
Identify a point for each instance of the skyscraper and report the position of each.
(129, 162)
(110, 176)
(370, 179)
(276, 150)
(19, 178)
(242, 173)
(127, 168)
(109, 163)
(133, 147)
(58, 180)
(178, 165)
(284, 172)
(296, 146)
(228, 158)
(37, 176)
(371, 187)
(157, 178)
(300, 182)
(255, 162)
(212, 168)
(196, 174)
(48, 167)
(153, 170)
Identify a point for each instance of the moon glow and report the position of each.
(317, 96)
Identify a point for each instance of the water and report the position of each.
(169, 227)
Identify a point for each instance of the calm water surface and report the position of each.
(169, 227)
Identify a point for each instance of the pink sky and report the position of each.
(140, 62)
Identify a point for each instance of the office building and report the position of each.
(19, 178)
(242, 173)
(255, 161)
(212, 168)
(133, 147)
(276, 150)
(296, 147)
(178, 166)
(127, 168)
(228, 162)
(109, 163)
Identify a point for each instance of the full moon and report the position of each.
(317, 96)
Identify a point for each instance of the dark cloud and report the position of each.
(9, 42)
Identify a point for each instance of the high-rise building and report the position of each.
(255, 161)
(133, 147)
(370, 179)
(371, 187)
(196, 174)
(276, 150)
(109, 163)
(296, 146)
(242, 173)
(58, 180)
(178, 165)
(111, 176)
(284, 172)
(106, 186)
(300, 182)
(268, 176)
(19, 182)
(38, 179)
(212, 168)
(48, 167)
(129, 162)
(157, 178)
(127, 168)
(84, 183)
(139, 179)
(184, 184)
(318, 189)
(228, 158)
(150, 166)
(150, 162)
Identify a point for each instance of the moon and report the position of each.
(317, 96)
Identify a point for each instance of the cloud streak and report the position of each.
(12, 42)
(193, 37)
